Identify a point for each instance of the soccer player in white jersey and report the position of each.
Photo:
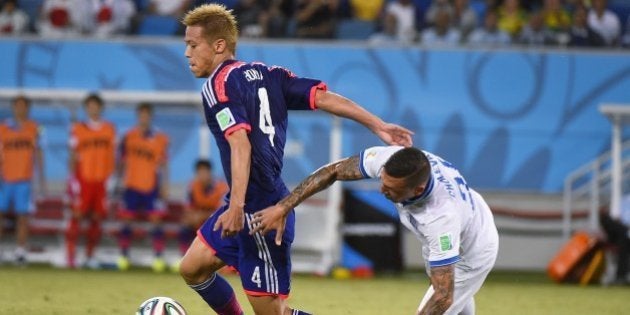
(459, 239)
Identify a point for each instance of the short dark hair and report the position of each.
(409, 163)
(93, 97)
(203, 163)
(144, 106)
(21, 98)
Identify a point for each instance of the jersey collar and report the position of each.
(221, 66)
(423, 196)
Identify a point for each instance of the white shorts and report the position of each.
(468, 281)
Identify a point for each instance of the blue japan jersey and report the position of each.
(256, 98)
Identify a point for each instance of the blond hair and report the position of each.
(217, 21)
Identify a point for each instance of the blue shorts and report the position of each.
(16, 196)
(136, 203)
(264, 267)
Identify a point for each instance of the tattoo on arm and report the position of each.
(442, 279)
(346, 169)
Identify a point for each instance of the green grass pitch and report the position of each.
(42, 290)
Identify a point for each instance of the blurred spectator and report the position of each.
(512, 17)
(13, 21)
(366, 10)
(91, 162)
(316, 18)
(625, 40)
(581, 34)
(387, 35)
(555, 17)
(618, 233)
(435, 7)
(20, 157)
(489, 34)
(464, 17)
(251, 17)
(60, 18)
(442, 33)
(405, 13)
(144, 164)
(103, 18)
(205, 195)
(174, 8)
(535, 33)
(278, 15)
(604, 22)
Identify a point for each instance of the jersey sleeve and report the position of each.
(443, 240)
(372, 159)
(299, 92)
(228, 111)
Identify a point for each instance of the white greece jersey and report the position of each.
(453, 222)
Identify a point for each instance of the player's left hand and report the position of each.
(269, 219)
(230, 222)
(393, 134)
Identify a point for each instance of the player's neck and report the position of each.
(19, 121)
(220, 59)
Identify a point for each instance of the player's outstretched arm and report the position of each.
(274, 217)
(232, 220)
(442, 280)
(338, 105)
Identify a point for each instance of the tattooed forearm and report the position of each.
(442, 279)
(346, 169)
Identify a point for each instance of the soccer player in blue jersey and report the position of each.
(246, 108)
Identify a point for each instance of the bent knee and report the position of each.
(191, 270)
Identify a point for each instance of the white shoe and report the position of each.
(92, 263)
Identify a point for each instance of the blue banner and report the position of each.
(508, 119)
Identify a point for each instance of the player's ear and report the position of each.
(418, 190)
(219, 46)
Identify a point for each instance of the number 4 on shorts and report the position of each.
(256, 276)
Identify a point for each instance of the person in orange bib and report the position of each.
(143, 161)
(205, 195)
(20, 154)
(92, 162)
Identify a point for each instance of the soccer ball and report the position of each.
(161, 305)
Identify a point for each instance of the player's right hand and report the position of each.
(230, 222)
(269, 219)
(393, 134)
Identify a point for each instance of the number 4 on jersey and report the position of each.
(264, 120)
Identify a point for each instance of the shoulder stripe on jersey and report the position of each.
(208, 94)
(287, 71)
(221, 78)
(444, 262)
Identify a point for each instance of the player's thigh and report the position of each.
(6, 190)
(267, 305)
(156, 209)
(264, 267)
(467, 284)
(199, 262)
(22, 202)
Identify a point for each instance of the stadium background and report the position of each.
(516, 121)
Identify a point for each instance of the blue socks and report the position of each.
(219, 295)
